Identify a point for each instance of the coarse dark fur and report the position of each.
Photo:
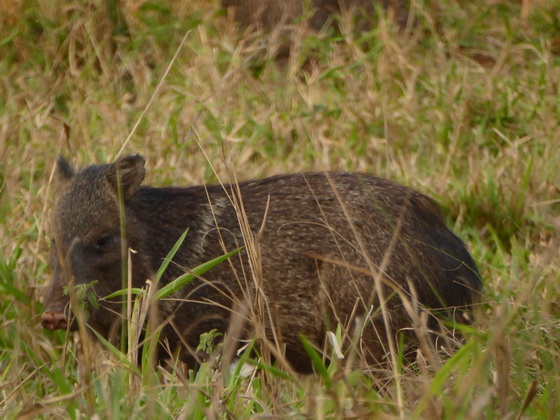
(322, 239)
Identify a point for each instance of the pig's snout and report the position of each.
(54, 319)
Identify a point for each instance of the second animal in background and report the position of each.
(269, 15)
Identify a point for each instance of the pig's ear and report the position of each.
(64, 171)
(130, 171)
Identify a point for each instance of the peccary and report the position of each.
(267, 15)
(322, 241)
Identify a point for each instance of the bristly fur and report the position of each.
(322, 240)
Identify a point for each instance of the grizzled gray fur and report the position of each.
(267, 14)
(322, 238)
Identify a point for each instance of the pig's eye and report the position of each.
(104, 242)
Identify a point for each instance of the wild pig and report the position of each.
(268, 14)
(323, 240)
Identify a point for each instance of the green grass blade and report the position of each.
(271, 369)
(124, 292)
(170, 255)
(188, 277)
(115, 351)
(316, 360)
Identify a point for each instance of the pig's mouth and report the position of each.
(54, 318)
(57, 318)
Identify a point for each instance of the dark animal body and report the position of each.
(268, 14)
(276, 17)
(322, 238)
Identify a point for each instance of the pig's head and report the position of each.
(87, 247)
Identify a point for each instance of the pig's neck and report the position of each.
(164, 214)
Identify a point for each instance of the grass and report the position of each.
(464, 106)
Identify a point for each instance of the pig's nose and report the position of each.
(54, 319)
